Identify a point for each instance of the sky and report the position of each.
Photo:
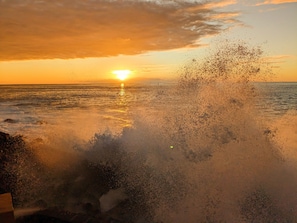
(84, 41)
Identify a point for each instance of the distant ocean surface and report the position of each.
(29, 109)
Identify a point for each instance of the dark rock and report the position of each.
(37, 218)
(55, 215)
(40, 122)
(9, 120)
(3, 137)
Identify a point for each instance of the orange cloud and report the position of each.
(220, 3)
(278, 58)
(46, 29)
(226, 15)
(275, 2)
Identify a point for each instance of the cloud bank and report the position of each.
(46, 29)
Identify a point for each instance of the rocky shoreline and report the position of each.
(50, 203)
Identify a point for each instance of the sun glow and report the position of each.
(122, 74)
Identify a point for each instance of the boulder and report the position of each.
(6, 208)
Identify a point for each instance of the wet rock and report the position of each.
(56, 215)
(9, 120)
(4, 137)
(40, 122)
(6, 208)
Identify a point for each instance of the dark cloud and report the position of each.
(36, 29)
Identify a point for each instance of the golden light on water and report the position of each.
(122, 74)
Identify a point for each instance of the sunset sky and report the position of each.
(84, 41)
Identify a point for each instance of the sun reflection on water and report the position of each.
(122, 91)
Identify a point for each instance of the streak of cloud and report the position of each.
(275, 2)
(278, 58)
(220, 4)
(226, 15)
(46, 29)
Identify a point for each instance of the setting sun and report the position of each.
(121, 74)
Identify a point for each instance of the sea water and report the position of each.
(207, 147)
(31, 109)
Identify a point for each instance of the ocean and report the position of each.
(213, 152)
(30, 110)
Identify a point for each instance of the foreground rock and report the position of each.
(71, 195)
(6, 208)
(55, 215)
